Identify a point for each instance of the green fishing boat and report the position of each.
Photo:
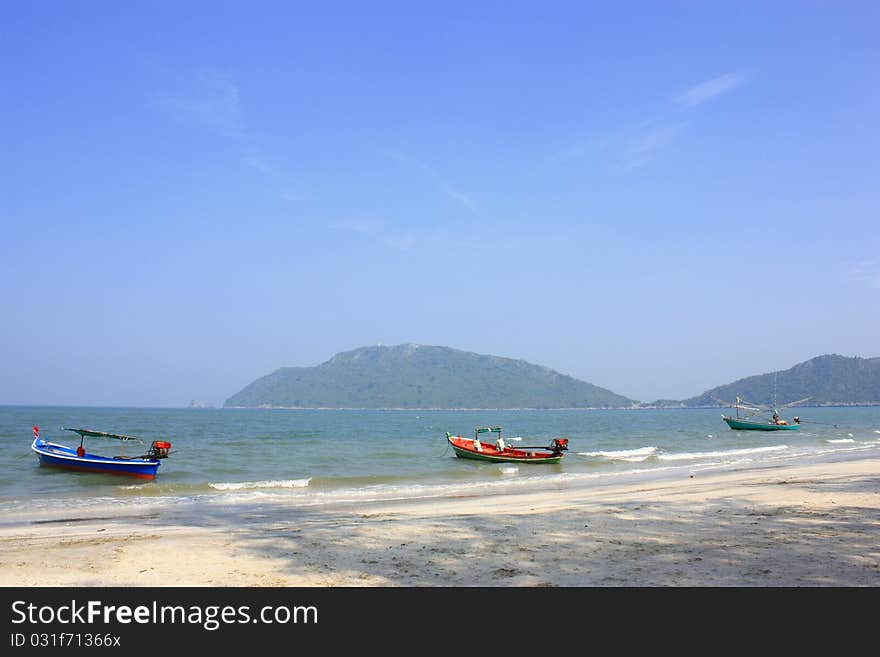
(754, 418)
(768, 425)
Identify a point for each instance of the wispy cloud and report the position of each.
(646, 142)
(866, 272)
(288, 189)
(440, 239)
(625, 149)
(462, 198)
(375, 230)
(439, 182)
(213, 102)
(570, 153)
(360, 226)
(711, 89)
(403, 242)
(634, 147)
(261, 165)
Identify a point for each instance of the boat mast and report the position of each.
(775, 411)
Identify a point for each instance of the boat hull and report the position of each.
(464, 448)
(743, 425)
(61, 456)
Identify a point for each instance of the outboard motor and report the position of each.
(559, 445)
(159, 449)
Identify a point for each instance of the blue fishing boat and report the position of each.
(77, 458)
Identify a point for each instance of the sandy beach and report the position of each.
(815, 524)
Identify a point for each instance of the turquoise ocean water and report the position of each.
(321, 456)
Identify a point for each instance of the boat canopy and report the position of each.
(102, 434)
(480, 430)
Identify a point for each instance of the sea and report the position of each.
(319, 457)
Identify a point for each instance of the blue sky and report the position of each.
(656, 197)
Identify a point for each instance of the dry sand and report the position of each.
(813, 524)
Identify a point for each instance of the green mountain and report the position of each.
(826, 380)
(418, 376)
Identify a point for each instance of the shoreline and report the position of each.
(813, 523)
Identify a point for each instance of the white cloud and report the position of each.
(459, 196)
(402, 242)
(566, 154)
(287, 187)
(374, 230)
(213, 103)
(261, 165)
(442, 184)
(866, 272)
(711, 89)
(643, 145)
(360, 226)
(634, 147)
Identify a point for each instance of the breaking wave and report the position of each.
(639, 454)
(687, 456)
(243, 485)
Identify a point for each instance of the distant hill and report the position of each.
(826, 380)
(418, 376)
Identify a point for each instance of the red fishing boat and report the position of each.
(499, 451)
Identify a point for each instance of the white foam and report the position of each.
(508, 469)
(686, 456)
(842, 440)
(241, 485)
(639, 454)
